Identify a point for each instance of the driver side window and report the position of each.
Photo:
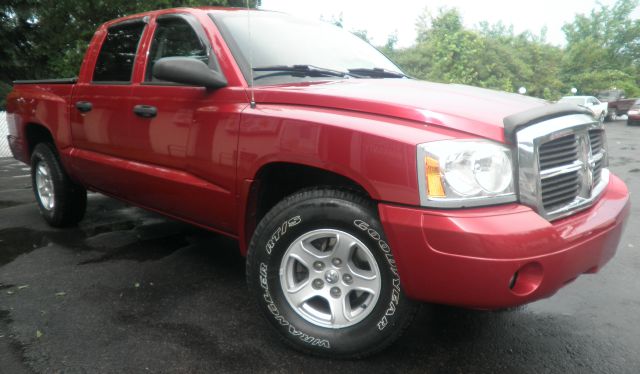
(174, 37)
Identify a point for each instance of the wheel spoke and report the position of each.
(339, 314)
(367, 284)
(298, 295)
(343, 247)
(306, 256)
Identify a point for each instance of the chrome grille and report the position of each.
(560, 190)
(596, 138)
(558, 152)
(562, 165)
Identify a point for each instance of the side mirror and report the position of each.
(189, 71)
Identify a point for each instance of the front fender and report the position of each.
(378, 153)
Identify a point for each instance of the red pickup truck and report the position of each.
(354, 191)
(617, 103)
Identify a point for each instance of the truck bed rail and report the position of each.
(48, 81)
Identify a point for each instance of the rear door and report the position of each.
(101, 113)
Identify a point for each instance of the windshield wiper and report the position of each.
(377, 73)
(300, 71)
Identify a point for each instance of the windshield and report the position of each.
(279, 39)
(573, 100)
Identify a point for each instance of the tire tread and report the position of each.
(71, 198)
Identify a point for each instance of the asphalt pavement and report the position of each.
(129, 291)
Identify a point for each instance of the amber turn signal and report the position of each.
(434, 180)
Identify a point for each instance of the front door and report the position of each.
(181, 134)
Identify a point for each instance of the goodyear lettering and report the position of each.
(395, 290)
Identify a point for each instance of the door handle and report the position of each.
(84, 106)
(145, 111)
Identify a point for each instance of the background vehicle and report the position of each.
(594, 105)
(633, 116)
(617, 102)
(353, 191)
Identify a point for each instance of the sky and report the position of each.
(380, 19)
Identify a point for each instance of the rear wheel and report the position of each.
(61, 201)
(325, 277)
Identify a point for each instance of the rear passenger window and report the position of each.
(118, 53)
(174, 37)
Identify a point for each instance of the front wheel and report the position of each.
(325, 277)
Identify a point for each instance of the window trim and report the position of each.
(143, 20)
(242, 63)
(200, 32)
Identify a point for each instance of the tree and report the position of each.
(491, 57)
(444, 52)
(362, 34)
(602, 52)
(603, 49)
(47, 38)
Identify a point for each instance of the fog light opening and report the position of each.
(527, 279)
(513, 280)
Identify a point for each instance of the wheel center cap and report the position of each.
(331, 276)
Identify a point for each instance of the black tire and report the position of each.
(329, 209)
(69, 198)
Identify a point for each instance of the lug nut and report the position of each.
(335, 292)
(347, 278)
(318, 265)
(317, 284)
(336, 262)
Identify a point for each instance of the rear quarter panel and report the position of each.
(42, 104)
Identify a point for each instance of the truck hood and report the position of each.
(469, 109)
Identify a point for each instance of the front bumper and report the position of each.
(500, 256)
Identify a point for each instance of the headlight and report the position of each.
(461, 173)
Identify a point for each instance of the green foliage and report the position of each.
(491, 57)
(47, 38)
(362, 34)
(602, 52)
(603, 49)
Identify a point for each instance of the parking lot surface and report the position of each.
(131, 291)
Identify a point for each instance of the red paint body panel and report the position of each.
(40, 104)
(199, 158)
(423, 102)
(469, 257)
